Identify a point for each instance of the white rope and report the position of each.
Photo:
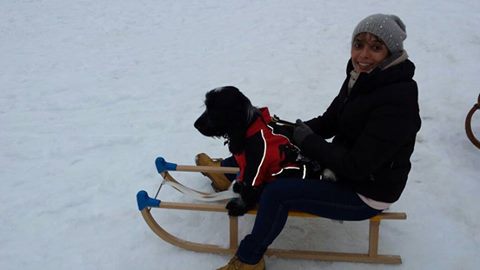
(201, 196)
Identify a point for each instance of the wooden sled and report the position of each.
(146, 204)
(468, 124)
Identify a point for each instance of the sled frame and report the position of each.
(371, 256)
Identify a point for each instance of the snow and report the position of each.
(93, 91)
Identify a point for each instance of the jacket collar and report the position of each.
(399, 69)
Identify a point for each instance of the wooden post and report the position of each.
(233, 233)
(373, 237)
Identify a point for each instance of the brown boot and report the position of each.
(219, 181)
(236, 264)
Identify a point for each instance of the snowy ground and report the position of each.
(93, 91)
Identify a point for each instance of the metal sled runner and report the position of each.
(146, 204)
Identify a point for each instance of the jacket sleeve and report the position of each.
(389, 127)
(325, 124)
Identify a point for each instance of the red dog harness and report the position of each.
(263, 158)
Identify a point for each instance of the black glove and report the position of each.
(236, 207)
(285, 130)
(300, 132)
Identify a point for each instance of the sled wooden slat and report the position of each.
(371, 256)
(206, 169)
(335, 256)
(221, 208)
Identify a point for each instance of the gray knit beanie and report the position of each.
(389, 28)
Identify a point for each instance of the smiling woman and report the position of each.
(368, 51)
(377, 39)
(373, 123)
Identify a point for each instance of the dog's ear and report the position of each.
(229, 112)
(219, 112)
(239, 113)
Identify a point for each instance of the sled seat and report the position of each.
(371, 256)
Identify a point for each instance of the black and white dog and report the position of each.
(261, 152)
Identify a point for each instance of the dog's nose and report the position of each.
(196, 124)
(200, 122)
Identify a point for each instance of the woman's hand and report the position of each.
(300, 132)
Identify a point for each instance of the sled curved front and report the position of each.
(146, 204)
(193, 246)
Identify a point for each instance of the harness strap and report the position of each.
(198, 195)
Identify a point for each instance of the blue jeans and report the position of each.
(322, 198)
(229, 162)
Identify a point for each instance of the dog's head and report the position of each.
(228, 114)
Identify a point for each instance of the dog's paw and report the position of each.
(236, 207)
(237, 187)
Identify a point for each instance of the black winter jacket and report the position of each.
(374, 129)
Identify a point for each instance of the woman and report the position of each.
(373, 121)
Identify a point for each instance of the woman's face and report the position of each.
(368, 51)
